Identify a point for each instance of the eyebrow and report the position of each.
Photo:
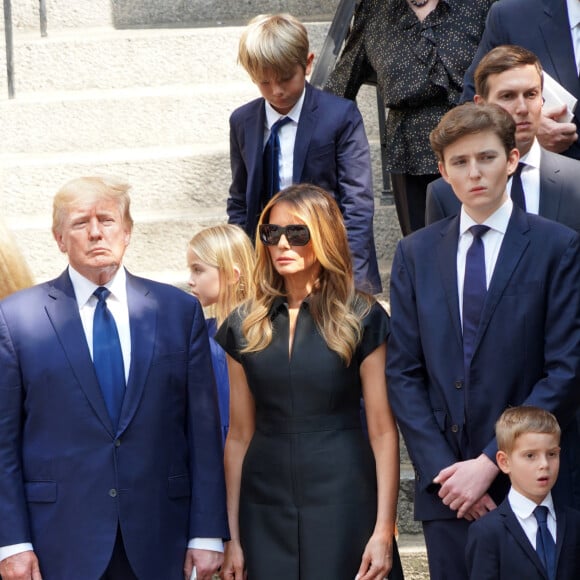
(484, 152)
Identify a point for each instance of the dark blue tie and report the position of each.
(108, 356)
(272, 160)
(517, 190)
(545, 546)
(474, 291)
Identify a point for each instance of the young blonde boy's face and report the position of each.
(283, 93)
(533, 464)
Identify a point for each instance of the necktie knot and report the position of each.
(102, 294)
(279, 124)
(478, 230)
(541, 514)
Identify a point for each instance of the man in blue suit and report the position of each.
(464, 347)
(321, 139)
(511, 77)
(106, 478)
(549, 28)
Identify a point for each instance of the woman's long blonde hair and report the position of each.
(14, 273)
(227, 248)
(335, 305)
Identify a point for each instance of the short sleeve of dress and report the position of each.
(376, 330)
(229, 335)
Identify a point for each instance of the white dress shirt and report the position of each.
(287, 136)
(524, 508)
(492, 240)
(531, 177)
(119, 308)
(574, 20)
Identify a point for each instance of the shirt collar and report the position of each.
(573, 12)
(272, 115)
(524, 507)
(532, 157)
(498, 220)
(84, 288)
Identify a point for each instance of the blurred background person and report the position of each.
(14, 272)
(418, 51)
(308, 496)
(220, 260)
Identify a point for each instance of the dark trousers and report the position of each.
(446, 541)
(119, 567)
(410, 192)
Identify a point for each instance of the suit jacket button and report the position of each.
(113, 492)
(117, 443)
(454, 428)
(458, 384)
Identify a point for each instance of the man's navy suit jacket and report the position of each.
(498, 548)
(526, 351)
(541, 26)
(559, 192)
(331, 151)
(68, 479)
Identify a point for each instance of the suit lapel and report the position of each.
(143, 324)
(254, 143)
(512, 249)
(560, 533)
(447, 259)
(550, 189)
(306, 126)
(62, 310)
(515, 529)
(559, 46)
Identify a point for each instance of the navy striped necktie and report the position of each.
(272, 160)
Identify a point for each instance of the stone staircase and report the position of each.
(143, 89)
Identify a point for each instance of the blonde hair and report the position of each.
(336, 307)
(14, 273)
(227, 248)
(517, 421)
(277, 42)
(91, 189)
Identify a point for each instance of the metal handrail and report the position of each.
(8, 34)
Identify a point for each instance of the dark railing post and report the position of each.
(9, 47)
(43, 18)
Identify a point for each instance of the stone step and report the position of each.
(168, 115)
(413, 556)
(156, 13)
(105, 58)
(158, 243)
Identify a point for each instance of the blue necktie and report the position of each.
(545, 546)
(107, 356)
(474, 291)
(517, 190)
(272, 160)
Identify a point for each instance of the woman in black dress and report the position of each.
(308, 497)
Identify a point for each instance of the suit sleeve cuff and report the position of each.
(7, 551)
(213, 544)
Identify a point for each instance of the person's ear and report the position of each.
(513, 160)
(478, 100)
(236, 277)
(503, 461)
(443, 171)
(309, 61)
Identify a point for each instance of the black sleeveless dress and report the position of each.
(308, 497)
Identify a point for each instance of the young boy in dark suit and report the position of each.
(296, 133)
(511, 541)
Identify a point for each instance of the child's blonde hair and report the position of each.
(227, 248)
(517, 421)
(276, 42)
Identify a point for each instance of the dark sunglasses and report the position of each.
(296, 234)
